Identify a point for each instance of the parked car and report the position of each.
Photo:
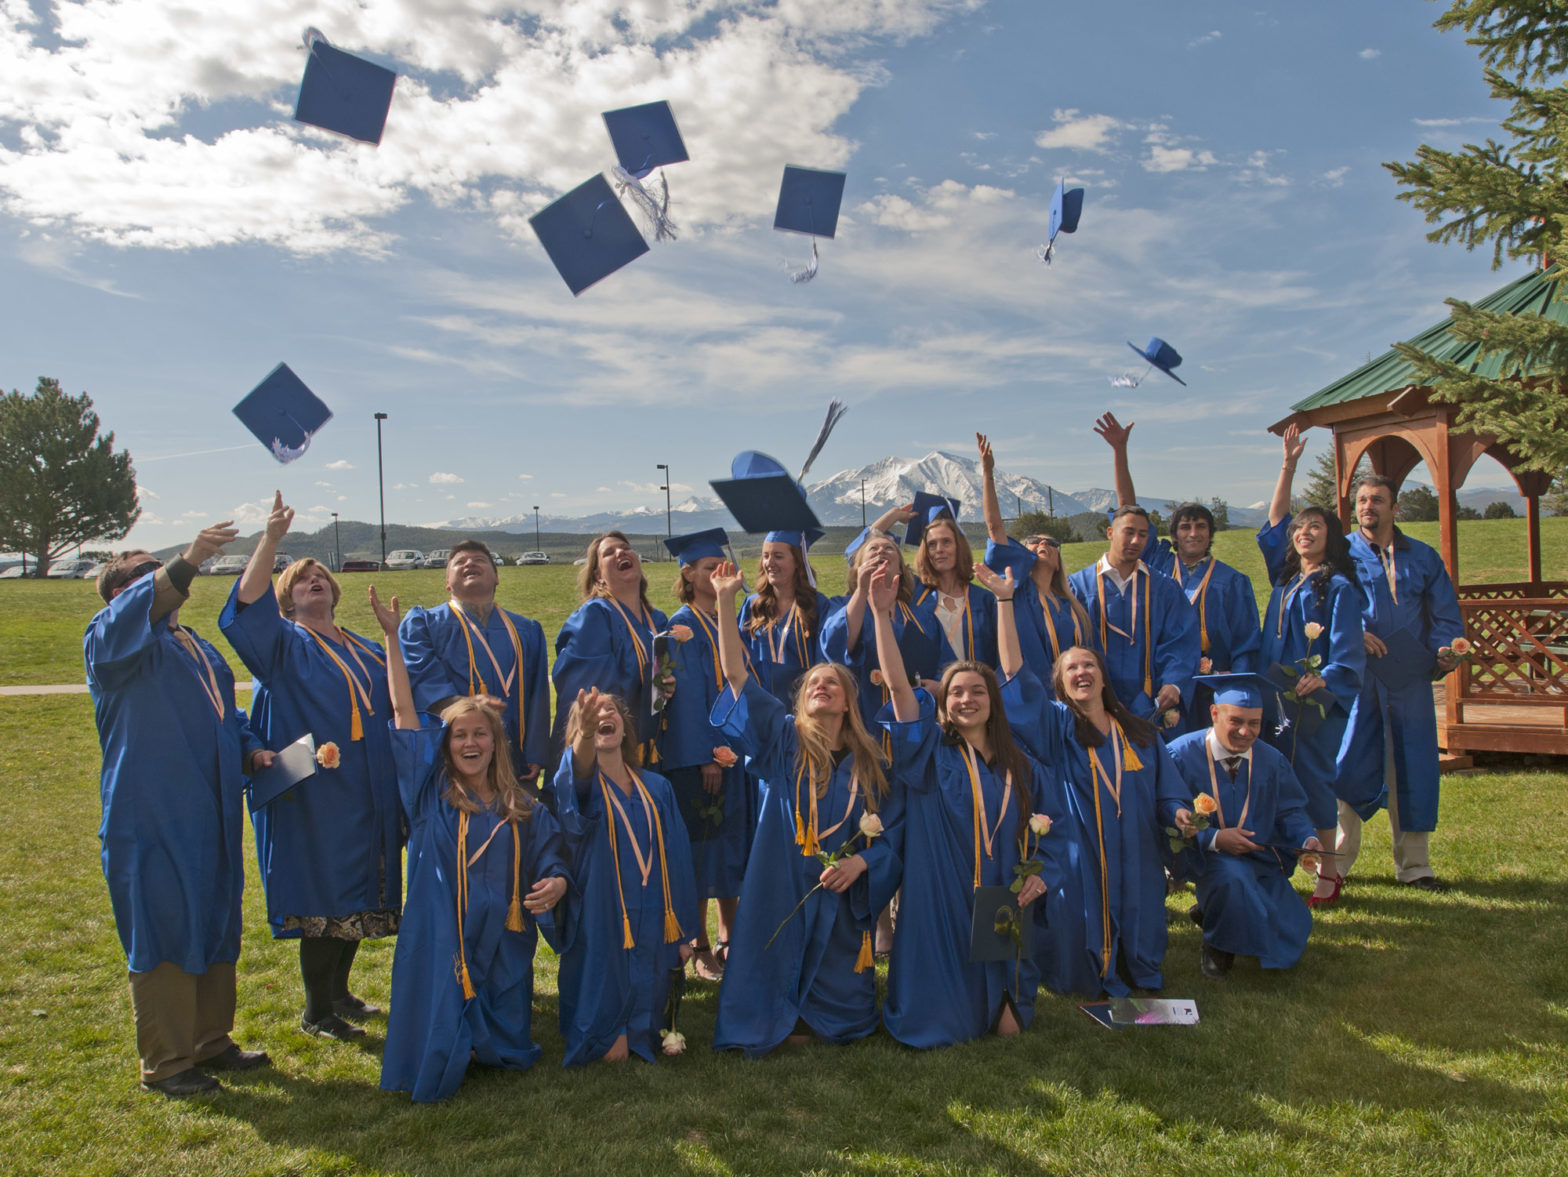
(71, 569)
(438, 558)
(533, 558)
(281, 561)
(205, 567)
(498, 559)
(404, 559)
(360, 566)
(230, 565)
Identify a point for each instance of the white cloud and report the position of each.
(1211, 36)
(441, 477)
(143, 493)
(1452, 122)
(1334, 177)
(340, 464)
(405, 485)
(1370, 54)
(525, 475)
(1081, 132)
(1177, 159)
(328, 485)
(476, 506)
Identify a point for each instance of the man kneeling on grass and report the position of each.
(1251, 825)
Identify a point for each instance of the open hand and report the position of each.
(1293, 444)
(280, 518)
(1113, 431)
(386, 615)
(884, 586)
(987, 458)
(1002, 585)
(726, 580)
(210, 542)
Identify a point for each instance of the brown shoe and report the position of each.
(232, 1058)
(185, 1084)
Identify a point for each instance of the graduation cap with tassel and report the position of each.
(1066, 208)
(809, 201)
(343, 93)
(763, 495)
(646, 138)
(1159, 354)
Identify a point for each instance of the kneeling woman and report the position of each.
(968, 799)
(632, 863)
(801, 960)
(462, 988)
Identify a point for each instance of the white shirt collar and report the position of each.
(1222, 753)
(1104, 567)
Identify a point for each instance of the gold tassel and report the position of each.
(800, 831)
(356, 725)
(514, 913)
(866, 959)
(468, 985)
(626, 933)
(672, 927)
(811, 847)
(1130, 758)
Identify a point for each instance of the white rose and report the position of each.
(870, 825)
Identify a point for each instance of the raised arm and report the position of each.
(855, 609)
(398, 686)
(1116, 435)
(257, 578)
(1279, 505)
(884, 593)
(892, 516)
(1010, 654)
(590, 706)
(995, 530)
(727, 584)
(172, 583)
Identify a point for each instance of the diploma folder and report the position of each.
(1121, 1012)
(985, 942)
(292, 765)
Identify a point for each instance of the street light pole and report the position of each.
(668, 530)
(862, 502)
(536, 529)
(381, 484)
(337, 542)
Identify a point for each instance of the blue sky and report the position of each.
(168, 234)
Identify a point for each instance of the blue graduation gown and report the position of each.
(1038, 618)
(333, 844)
(720, 841)
(808, 971)
(977, 630)
(1128, 893)
(1337, 608)
(439, 667)
(785, 651)
(1227, 613)
(936, 995)
(432, 1029)
(920, 640)
(1429, 608)
(1171, 624)
(1249, 907)
(606, 989)
(599, 647)
(171, 787)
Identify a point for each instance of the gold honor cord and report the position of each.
(1148, 602)
(982, 829)
(1201, 601)
(358, 692)
(1386, 556)
(650, 747)
(969, 623)
(206, 677)
(1122, 756)
(1050, 626)
(1214, 789)
(672, 927)
(514, 911)
(793, 630)
(476, 678)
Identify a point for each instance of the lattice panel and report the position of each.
(1512, 592)
(1520, 650)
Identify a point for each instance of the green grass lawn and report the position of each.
(1421, 1034)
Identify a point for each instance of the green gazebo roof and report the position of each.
(1531, 295)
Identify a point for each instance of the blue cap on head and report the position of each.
(1236, 690)
(928, 509)
(809, 201)
(645, 137)
(1162, 355)
(699, 545)
(1066, 208)
(588, 234)
(763, 496)
(800, 539)
(343, 93)
(283, 413)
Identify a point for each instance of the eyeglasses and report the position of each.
(142, 570)
(1049, 541)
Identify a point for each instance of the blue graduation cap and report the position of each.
(588, 234)
(1162, 356)
(645, 137)
(699, 545)
(1066, 208)
(800, 539)
(763, 496)
(809, 200)
(283, 413)
(1242, 689)
(343, 93)
(928, 509)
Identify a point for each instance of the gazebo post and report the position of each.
(1447, 500)
(1532, 514)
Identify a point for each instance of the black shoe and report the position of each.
(1195, 914)
(232, 1058)
(186, 1083)
(353, 1009)
(1215, 964)
(333, 1027)
(1428, 883)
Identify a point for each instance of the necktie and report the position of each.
(1230, 763)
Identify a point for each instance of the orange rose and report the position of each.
(1461, 646)
(876, 678)
(681, 633)
(328, 755)
(724, 757)
(1205, 804)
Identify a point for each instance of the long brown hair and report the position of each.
(906, 578)
(512, 801)
(1063, 589)
(964, 568)
(1005, 753)
(588, 582)
(816, 751)
(1139, 731)
(765, 605)
(631, 749)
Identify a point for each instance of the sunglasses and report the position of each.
(142, 570)
(1049, 541)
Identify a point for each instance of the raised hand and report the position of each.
(280, 518)
(210, 542)
(386, 615)
(1113, 431)
(1002, 586)
(727, 580)
(883, 586)
(987, 458)
(1293, 444)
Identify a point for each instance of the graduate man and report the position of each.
(470, 646)
(1410, 618)
(1229, 633)
(175, 750)
(1243, 859)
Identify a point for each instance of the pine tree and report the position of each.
(1514, 195)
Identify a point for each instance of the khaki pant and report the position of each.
(1410, 847)
(181, 1018)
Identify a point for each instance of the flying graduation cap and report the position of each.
(928, 509)
(808, 203)
(1159, 354)
(343, 93)
(1066, 208)
(763, 496)
(588, 234)
(283, 414)
(646, 137)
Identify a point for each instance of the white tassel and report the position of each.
(657, 212)
(836, 411)
(312, 35)
(810, 271)
(1044, 252)
(287, 453)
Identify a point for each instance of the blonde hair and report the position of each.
(589, 584)
(906, 578)
(816, 750)
(512, 801)
(631, 748)
(964, 569)
(296, 570)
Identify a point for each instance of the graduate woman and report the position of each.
(801, 961)
(945, 568)
(710, 783)
(632, 865)
(969, 795)
(608, 642)
(486, 867)
(781, 623)
(1314, 612)
(1048, 617)
(331, 849)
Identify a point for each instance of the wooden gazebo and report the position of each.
(1513, 694)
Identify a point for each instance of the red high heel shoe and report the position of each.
(1331, 898)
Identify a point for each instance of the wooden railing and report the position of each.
(1512, 694)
